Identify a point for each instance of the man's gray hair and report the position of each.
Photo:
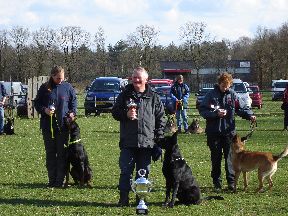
(142, 70)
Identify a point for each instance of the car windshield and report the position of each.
(104, 85)
(239, 87)
(204, 91)
(163, 91)
(280, 84)
(254, 89)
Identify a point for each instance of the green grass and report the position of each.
(23, 173)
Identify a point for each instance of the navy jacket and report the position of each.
(150, 123)
(62, 96)
(180, 91)
(215, 99)
(3, 92)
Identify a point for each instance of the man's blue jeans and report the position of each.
(183, 114)
(1, 119)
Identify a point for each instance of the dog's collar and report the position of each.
(177, 159)
(75, 141)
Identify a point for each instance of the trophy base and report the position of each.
(142, 208)
(142, 211)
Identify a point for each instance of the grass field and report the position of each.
(23, 172)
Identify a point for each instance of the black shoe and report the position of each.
(124, 199)
(179, 131)
(186, 131)
(50, 185)
(231, 187)
(217, 186)
(59, 185)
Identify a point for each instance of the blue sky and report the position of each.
(225, 19)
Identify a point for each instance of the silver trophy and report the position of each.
(141, 187)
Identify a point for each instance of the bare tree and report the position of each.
(70, 39)
(44, 40)
(101, 54)
(19, 38)
(195, 40)
(143, 42)
(3, 52)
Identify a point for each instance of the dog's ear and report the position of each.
(244, 139)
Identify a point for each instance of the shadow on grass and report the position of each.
(44, 186)
(47, 203)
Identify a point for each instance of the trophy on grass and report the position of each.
(141, 187)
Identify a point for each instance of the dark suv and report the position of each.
(102, 93)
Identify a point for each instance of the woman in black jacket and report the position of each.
(55, 99)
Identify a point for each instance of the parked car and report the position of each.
(102, 93)
(165, 96)
(278, 87)
(160, 82)
(242, 92)
(256, 96)
(200, 95)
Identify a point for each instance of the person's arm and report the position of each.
(72, 102)
(119, 110)
(205, 109)
(38, 101)
(159, 118)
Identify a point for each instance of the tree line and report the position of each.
(25, 53)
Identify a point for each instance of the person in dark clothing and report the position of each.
(285, 108)
(3, 95)
(54, 100)
(180, 94)
(218, 108)
(141, 115)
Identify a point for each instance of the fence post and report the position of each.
(33, 86)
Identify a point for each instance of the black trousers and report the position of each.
(55, 155)
(219, 146)
(129, 157)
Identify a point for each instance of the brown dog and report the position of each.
(195, 127)
(245, 161)
(170, 126)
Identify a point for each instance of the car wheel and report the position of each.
(97, 113)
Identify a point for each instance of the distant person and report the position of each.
(219, 107)
(3, 95)
(285, 107)
(180, 94)
(55, 99)
(141, 115)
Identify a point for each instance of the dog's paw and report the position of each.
(171, 204)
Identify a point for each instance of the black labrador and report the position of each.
(77, 157)
(179, 176)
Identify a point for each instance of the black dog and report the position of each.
(9, 126)
(77, 157)
(178, 175)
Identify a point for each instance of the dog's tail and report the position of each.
(213, 198)
(283, 154)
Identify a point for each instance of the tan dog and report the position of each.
(170, 126)
(195, 127)
(245, 161)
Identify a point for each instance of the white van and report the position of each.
(278, 87)
(243, 95)
(14, 89)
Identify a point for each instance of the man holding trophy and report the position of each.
(141, 115)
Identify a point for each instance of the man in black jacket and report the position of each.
(141, 115)
(218, 108)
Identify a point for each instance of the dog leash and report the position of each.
(75, 141)
(253, 125)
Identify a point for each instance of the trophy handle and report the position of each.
(141, 172)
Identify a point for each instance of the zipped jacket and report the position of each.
(150, 124)
(62, 96)
(214, 100)
(180, 92)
